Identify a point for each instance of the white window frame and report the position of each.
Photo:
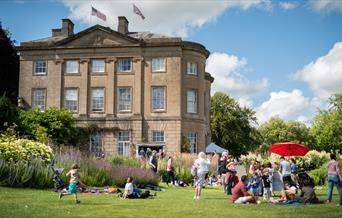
(193, 139)
(40, 67)
(96, 104)
(124, 104)
(158, 64)
(161, 96)
(39, 98)
(191, 68)
(124, 143)
(191, 104)
(96, 144)
(158, 136)
(74, 64)
(98, 66)
(71, 104)
(125, 63)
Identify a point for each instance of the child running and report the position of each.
(74, 179)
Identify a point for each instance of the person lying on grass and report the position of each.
(74, 180)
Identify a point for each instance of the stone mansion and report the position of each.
(133, 89)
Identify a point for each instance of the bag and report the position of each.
(193, 170)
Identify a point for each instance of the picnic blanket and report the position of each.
(291, 203)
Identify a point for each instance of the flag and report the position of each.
(98, 14)
(138, 12)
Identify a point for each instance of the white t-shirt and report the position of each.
(202, 164)
(129, 188)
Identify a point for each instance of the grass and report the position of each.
(174, 202)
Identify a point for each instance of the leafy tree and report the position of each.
(55, 124)
(231, 125)
(8, 113)
(327, 126)
(9, 66)
(276, 130)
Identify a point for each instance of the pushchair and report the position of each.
(59, 184)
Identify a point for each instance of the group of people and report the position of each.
(264, 180)
(283, 178)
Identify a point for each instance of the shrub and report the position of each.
(320, 175)
(23, 149)
(313, 160)
(128, 161)
(33, 174)
(120, 173)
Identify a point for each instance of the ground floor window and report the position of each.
(123, 143)
(193, 142)
(96, 144)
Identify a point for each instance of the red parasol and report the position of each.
(289, 149)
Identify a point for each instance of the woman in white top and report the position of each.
(128, 188)
(202, 164)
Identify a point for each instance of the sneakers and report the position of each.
(60, 195)
(78, 201)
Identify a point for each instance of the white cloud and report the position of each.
(288, 5)
(324, 75)
(326, 6)
(285, 105)
(166, 17)
(228, 72)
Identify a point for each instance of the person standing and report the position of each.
(170, 171)
(334, 178)
(154, 161)
(202, 164)
(222, 169)
(285, 170)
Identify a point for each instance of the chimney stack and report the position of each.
(67, 27)
(122, 25)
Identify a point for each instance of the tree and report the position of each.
(231, 125)
(276, 130)
(9, 66)
(55, 124)
(327, 126)
(8, 113)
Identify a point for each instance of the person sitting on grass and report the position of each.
(240, 194)
(131, 192)
(74, 180)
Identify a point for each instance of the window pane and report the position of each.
(193, 142)
(125, 65)
(98, 66)
(71, 97)
(158, 98)
(158, 64)
(191, 68)
(158, 136)
(40, 67)
(124, 99)
(97, 100)
(191, 98)
(72, 67)
(38, 99)
(96, 144)
(123, 143)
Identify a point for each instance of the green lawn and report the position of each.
(174, 202)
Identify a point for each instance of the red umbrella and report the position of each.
(289, 149)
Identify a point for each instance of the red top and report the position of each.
(239, 191)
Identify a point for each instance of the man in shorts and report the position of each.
(240, 194)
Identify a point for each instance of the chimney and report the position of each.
(67, 27)
(123, 25)
(56, 32)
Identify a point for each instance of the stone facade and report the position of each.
(44, 66)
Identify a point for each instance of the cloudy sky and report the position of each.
(281, 57)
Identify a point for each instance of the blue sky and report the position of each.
(282, 58)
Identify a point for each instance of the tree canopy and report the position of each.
(231, 125)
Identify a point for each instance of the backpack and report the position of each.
(193, 170)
